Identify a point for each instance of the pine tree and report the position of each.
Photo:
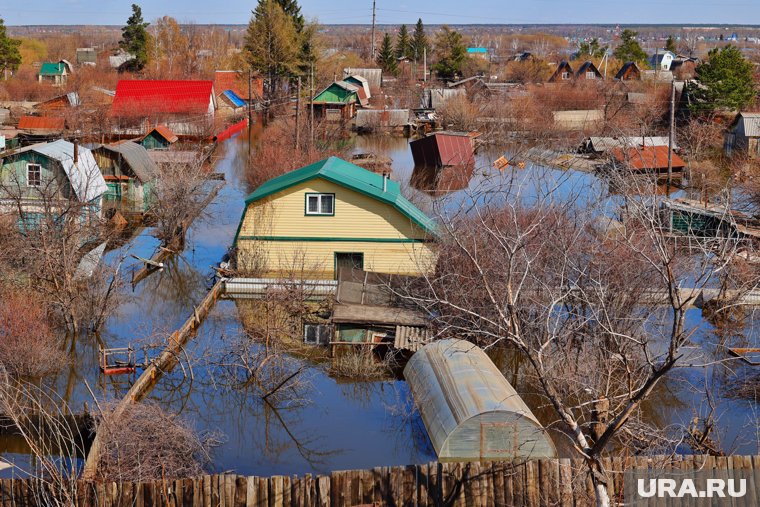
(386, 58)
(450, 51)
(404, 44)
(293, 10)
(670, 44)
(629, 49)
(419, 41)
(306, 33)
(135, 38)
(272, 45)
(10, 56)
(724, 81)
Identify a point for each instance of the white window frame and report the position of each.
(590, 74)
(39, 171)
(565, 76)
(323, 333)
(319, 197)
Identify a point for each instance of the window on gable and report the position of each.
(565, 75)
(320, 204)
(33, 175)
(590, 74)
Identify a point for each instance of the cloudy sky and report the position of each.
(115, 12)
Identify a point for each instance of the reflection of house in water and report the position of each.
(440, 181)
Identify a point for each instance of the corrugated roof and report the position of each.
(40, 123)
(85, 176)
(454, 382)
(137, 157)
(237, 81)
(232, 97)
(647, 157)
(602, 144)
(374, 76)
(442, 149)
(352, 177)
(136, 97)
(751, 124)
(360, 81)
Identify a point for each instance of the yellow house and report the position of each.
(329, 215)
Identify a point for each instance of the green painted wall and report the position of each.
(14, 176)
(154, 142)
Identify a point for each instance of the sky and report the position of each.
(115, 12)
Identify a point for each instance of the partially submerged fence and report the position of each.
(539, 483)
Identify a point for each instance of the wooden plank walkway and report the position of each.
(538, 483)
(164, 363)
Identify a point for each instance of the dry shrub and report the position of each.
(459, 113)
(147, 443)
(276, 153)
(25, 86)
(27, 344)
(359, 365)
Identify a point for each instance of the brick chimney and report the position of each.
(76, 151)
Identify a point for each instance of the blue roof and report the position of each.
(232, 96)
(477, 50)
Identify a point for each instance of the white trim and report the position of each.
(28, 165)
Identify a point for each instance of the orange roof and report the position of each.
(647, 157)
(40, 123)
(164, 132)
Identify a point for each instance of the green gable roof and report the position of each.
(337, 93)
(349, 176)
(52, 69)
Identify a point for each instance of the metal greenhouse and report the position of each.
(469, 409)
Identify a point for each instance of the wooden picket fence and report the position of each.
(539, 483)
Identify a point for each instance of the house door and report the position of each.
(346, 260)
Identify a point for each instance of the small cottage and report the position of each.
(54, 173)
(361, 82)
(564, 72)
(159, 137)
(129, 173)
(588, 71)
(337, 102)
(744, 135)
(629, 72)
(662, 60)
(330, 215)
(87, 56)
(59, 103)
(56, 73)
(443, 149)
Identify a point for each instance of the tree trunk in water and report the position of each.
(602, 498)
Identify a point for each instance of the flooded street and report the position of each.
(336, 425)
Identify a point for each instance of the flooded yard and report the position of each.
(336, 425)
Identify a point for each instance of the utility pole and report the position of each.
(298, 114)
(311, 105)
(250, 116)
(424, 65)
(672, 132)
(373, 30)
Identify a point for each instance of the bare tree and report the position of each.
(597, 312)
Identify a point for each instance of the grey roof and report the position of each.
(436, 97)
(382, 117)
(137, 157)
(84, 176)
(751, 124)
(602, 144)
(459, 392)
(373, 76)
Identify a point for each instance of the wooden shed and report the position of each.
(469, 409)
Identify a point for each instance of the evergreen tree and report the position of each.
(450, 52)
(386, 58)
(419, 41)
(629, 49)
(591, 49)
(306, 33)
(404, 44)
(724, 81)
(10, 56)
(272, 45)
(293, 10)
(670, 45)
(135, 38)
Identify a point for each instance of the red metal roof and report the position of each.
(40, 123)
(139, 97)
(443, 149)
(647, 158)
